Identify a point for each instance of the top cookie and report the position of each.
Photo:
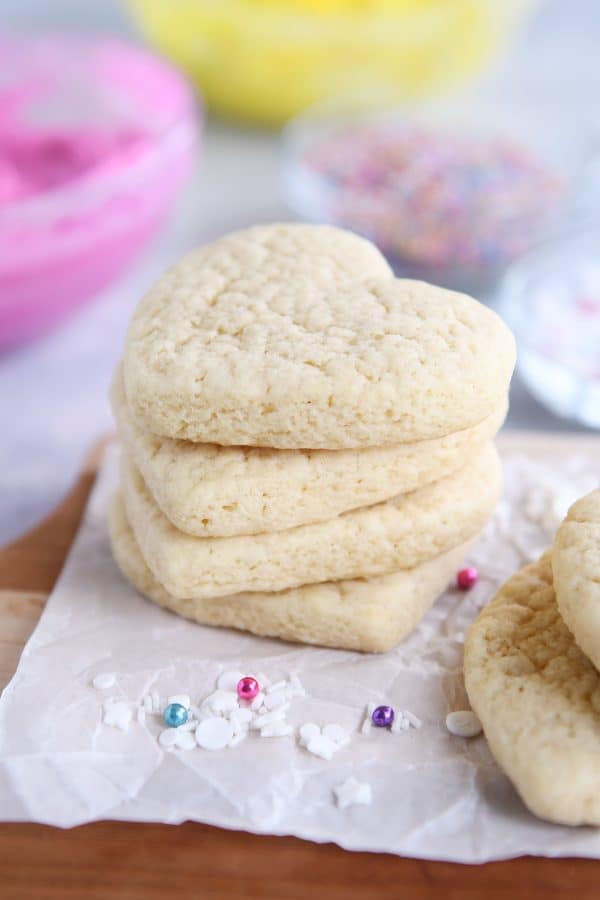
(299, 336)
(576, 569)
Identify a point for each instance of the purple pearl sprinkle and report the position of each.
(383, 716)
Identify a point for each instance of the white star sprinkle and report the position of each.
(353, 793)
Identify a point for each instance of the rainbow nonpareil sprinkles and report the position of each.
(431, 196)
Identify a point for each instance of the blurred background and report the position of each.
(463, 136)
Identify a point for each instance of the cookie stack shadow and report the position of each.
(307, 440)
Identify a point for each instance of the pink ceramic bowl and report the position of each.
(96, 138)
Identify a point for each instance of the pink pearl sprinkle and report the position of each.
(466, 578)
(247, 688)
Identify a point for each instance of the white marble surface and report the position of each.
(53, 392)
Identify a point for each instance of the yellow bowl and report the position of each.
(266, 60)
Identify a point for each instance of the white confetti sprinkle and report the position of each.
(367, 722)
(272, 701)
(353, 793)
(104, 680)
(221, 702)
(463, 723)
(155, 701)
(278, 686)
(308, 731)
(185, 740)
(228, 681)
(398, 724)
(273, 716)
(117, 714)
(258, 701)
(240, 718)
(141, 715)
(182, 699)
(168, 737)
(413, 720)
(263, 680)
(322, 746)
(190, 725)
(214, 733)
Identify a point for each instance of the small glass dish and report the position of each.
(551, 301)
(450, 192)
(96, 139)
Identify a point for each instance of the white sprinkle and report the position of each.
(117, 714)
(463, 723)
(263, 680)
(353, 793)
(228, 681)
(104, 680)
(238, 738)
(412, 719)
(272, 701)
(319, 745)
(400, 723)
(240, 718)
(397, 724)
(367, 723)
(276, 729)
(258, 701)
(308, 731)
(148, 706)
(168, 737)
(278, 686)
(183, 699)
(221, 701)
(267, 718)
(336, 734)
(190, 725)
(185, 740)
(141, 715)
(214, 734)
(155, 701)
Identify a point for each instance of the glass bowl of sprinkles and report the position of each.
(450, 192)
(551, 300)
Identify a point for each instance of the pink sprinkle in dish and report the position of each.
(96, 138)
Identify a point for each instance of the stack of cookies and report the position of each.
(307, 440)
(531, 671)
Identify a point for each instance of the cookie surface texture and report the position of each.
(299, 336)
(538, 698)
(212, 491)
(371, 615)
(576, 567)
(376, 540)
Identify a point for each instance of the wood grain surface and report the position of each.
(129, 861)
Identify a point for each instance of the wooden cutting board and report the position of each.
(130, 861)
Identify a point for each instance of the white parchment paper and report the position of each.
(434, 795)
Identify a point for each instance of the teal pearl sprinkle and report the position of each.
(175, 715)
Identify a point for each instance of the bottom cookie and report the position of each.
(538, 698)
(372, 615)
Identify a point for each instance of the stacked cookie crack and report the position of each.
(306, 439)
